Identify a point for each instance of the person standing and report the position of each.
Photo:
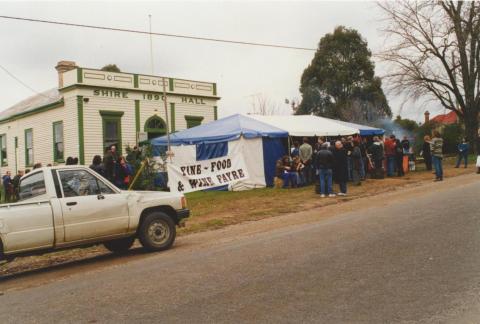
(295, 151)
(324, 163)
(426, 153)
(16, 184)
(124, 174)
(7, 186)
(340, 168)
(110, 163)
(399, 151)
(405, 144)
(305, 153)
(390, 154)
(69, 161)
(362, 145)
(348, 146)
(357, 163)
(376, 152)
(97, 165)
(436, 147)
(463, 149)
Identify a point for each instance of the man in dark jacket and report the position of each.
(324, 163)
(340, 169)
(16, 184)
(376, 152)
(348, 147)
(405, 144)
(110, 163)
(7, 186)
(399, 158)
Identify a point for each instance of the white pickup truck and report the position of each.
(71, 206)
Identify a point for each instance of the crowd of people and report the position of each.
(116, 168)
(351, 159)
(339, 160)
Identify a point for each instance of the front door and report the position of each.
(90, 208)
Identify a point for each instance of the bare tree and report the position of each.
(433, 48)
(262, 105)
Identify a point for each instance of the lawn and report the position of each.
(216, 209)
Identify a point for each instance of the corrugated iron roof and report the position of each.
(30, 104)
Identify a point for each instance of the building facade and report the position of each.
(93, 109)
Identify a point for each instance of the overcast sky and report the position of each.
(31, 50)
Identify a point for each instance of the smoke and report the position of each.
(391, 127)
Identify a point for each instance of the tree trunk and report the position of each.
(471, 129)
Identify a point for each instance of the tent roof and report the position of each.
(364, 130)
(307, 125)
(224, 129)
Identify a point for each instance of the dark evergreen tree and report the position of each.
(340, 81)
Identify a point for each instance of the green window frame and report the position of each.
(193, 121)
(29, 147)
(58, 142)
(110, 118)
(3, 150)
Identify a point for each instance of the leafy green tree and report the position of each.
(111, 68)
(407, 124)
(340, 81)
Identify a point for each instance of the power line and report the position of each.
(23, 83)
(160, 34)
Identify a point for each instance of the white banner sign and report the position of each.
(201, 175)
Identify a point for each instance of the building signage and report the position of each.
(201, 175)
(145, 96)
(110, 93)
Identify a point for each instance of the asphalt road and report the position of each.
(412, 260)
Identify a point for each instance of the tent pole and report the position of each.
(289, 145)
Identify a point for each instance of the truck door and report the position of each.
(90, 208)
(29, 225)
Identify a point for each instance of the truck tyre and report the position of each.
(120, 245)
(157, 232)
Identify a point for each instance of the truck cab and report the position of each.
(68, 206)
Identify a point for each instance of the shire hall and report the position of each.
(91, 110)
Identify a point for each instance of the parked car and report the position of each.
(72, 206)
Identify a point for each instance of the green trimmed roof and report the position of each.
(32, 103)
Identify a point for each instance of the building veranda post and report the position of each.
(93, 109)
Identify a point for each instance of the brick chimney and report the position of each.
(427, 117)
(62, 67)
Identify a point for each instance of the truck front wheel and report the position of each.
(157, 232)
(120, 245)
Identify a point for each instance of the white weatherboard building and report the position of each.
(93, 109)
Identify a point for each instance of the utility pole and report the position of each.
(165, 105)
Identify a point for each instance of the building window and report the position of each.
(112, 129)
(193, 121)
(28, 147)
(155, 127)
(58, 142)
(3, 150)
